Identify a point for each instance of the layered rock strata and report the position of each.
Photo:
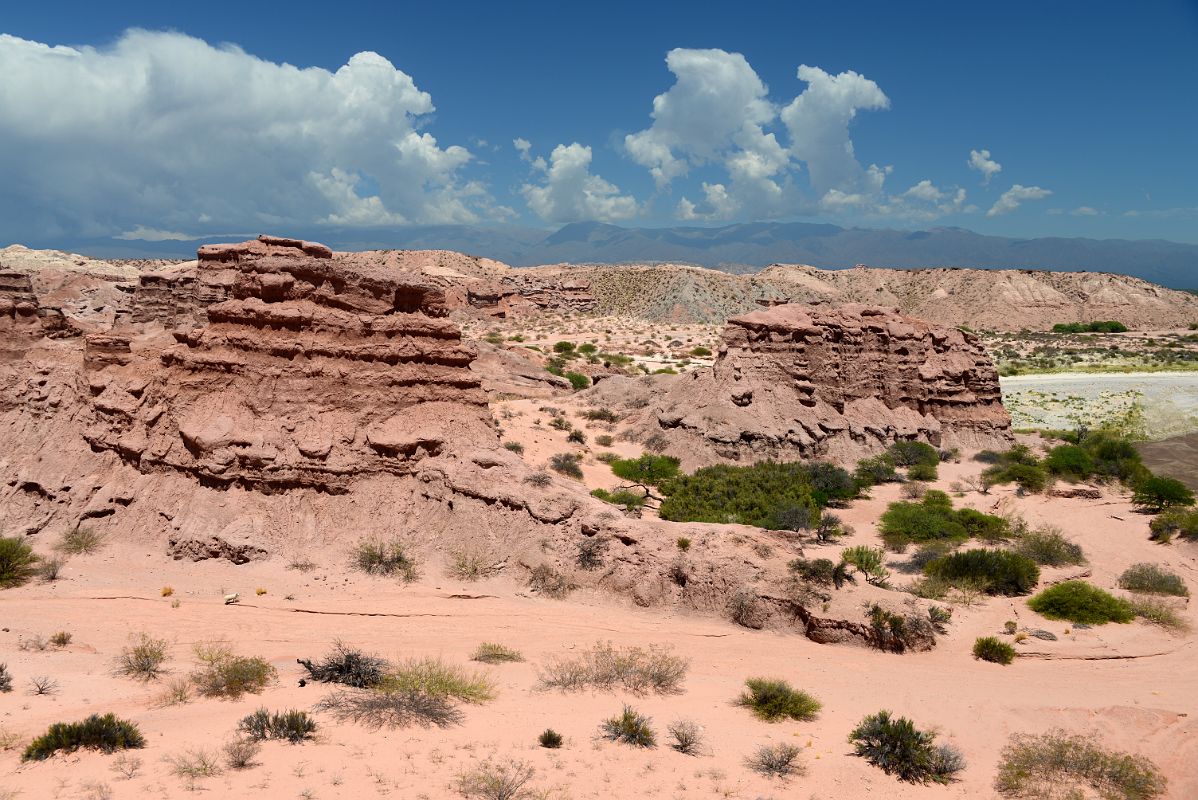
(309, 374)
(796, 381)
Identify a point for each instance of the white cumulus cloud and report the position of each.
(569, 192)
(983, 163)
(1012, 198)
(818, 121)
(166, 131)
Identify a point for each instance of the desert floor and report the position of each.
(1133, 686)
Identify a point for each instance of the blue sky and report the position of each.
(173, 120)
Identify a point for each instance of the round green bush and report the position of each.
(995, 571)
(774, 700)
(989, 648)
(1069, 460)
(1080, 602)
(1157, 493)
(17, 561)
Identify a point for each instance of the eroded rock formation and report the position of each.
(796, 381)
(310, 374)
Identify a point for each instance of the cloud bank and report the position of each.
(165, 130)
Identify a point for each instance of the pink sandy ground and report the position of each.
(1133, 686)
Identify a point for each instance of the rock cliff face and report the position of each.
(796, 381)
(310, 374)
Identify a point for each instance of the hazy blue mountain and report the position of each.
(739, 248)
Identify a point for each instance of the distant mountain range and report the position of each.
(740, 248)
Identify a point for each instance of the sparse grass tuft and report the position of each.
(550, 739)
(379, 708)
(195, 764)
(143, 658)
(1063, 765)
(105, 733)
(176, 692)
(376, 556)
(629, 727)
(686, 737)
(434, 677)
(605, 666)
(1049, 547)
(223, 674)
(549, 581)
(1152, 579)
(290, 726)
(490, 781)
(1159, 611)
(80, 541)
(61, 639)
(776, 760)
(240, 753)
(494, 653)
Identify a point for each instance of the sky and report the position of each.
(157, 121)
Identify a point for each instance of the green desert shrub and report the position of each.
(990, 648)
(142, 658)
(625, 498)
(601, 415)
(550, 739)
(930, 519)
(577, 380)
(515, 447)
(1070, 461)
(289, 726)
(563, 347)
(897, 747)
(922, 472)
(18, 563)
(576, 437)
(1152, 579)
(754, 495)
(629, 727)
(1098, 326)
(348, 666)
(1064, 765)
(898, 633)
(776, 760)
(876, 470)
(821, 572)
(221, 673)
(604, 440)
(774, 700)
(106, 733)
(1081, 602)
(5, 679)
(1019, 466)
(1049, 547)
(1158, 493)
(908, 454)
(647, 470)
(992, 571)
(869, 561)
(635, 669)
(389, 557)
(495, 653)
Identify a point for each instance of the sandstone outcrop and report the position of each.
(310, 374)
(796, 381)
